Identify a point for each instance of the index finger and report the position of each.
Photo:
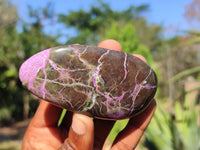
(46, 115)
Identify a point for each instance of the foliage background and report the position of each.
(176, 124)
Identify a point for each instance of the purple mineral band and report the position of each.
(28, 71)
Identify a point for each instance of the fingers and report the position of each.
(46, 115)
(110, 44)
(81, 134)
(42, 132)
(131, 135)
(141, 57)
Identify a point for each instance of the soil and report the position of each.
(11, 136)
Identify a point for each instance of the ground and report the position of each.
(11, 136)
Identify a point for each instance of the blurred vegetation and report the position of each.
(176, 124)
(129, 27)
(15, 48)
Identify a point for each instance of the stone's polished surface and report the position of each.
(98, 82)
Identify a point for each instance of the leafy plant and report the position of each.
(128, 38)
(175, 129)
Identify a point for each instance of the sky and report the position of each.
(169, 13)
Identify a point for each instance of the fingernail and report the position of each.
(78, 125)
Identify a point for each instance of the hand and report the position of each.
(80, 132)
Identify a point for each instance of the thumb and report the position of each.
(81, 134)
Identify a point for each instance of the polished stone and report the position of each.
(98, 82)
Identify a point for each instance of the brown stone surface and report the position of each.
(100, 82)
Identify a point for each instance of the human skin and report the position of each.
(81, 132)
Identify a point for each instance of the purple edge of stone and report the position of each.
(28, 71)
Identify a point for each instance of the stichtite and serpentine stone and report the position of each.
(98, 82)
